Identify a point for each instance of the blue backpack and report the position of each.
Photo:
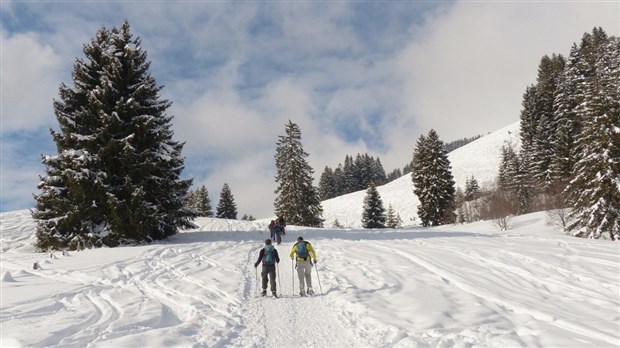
(269, 258)
(302, 250)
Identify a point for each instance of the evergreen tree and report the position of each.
(433, 181)
(339, 181)
(472, 189)
(202, 202)
(350, 175)
(393, 218)
(374, 213)
(395, 174)
(594, 191)
(513, 180)
(567, 124)
(116, 177)
(296, 198)
(327, 184)
(226, 208)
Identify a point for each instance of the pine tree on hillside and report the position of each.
(373, 215)
(202, 202)
(568, 126)
(296, 198)
(327, 184)
(350, 175)
(538, 121)
(472, 189)
(433, 181)
(393, 219)
(513, 179)
(116, 177)
(594, 191)
(226, 208)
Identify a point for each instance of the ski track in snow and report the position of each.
(380, 288)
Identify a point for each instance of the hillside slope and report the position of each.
(480, 158)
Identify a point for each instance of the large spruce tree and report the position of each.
(297, 200)
(373, 215)
(433, 181)
(116, 176)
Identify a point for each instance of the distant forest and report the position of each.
(357, 173)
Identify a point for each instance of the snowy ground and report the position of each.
(454, 286)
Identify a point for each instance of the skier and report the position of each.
(279, 229)
(269, 256)
(272, 226)
(304, 250)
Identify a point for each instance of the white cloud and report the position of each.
(465, 70)
(29, 79)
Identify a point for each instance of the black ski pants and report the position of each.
(269, 276)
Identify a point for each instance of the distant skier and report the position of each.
(269, 256)
(272, 229)
(305, 255)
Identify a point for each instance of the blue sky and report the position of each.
(355, 76)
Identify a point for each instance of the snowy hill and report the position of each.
(452, 286)
(480, 158)
(449, 286)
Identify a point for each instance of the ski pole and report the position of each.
(317, 277)
(279, 283)
(293, 278)
(256, 276)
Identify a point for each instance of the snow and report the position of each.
(448, 286)
(458, 285)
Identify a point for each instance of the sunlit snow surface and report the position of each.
(466, 285)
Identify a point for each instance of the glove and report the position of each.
(314, 260)
(255, 265)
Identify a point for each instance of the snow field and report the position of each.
(452, 286)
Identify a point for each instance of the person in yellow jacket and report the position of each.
(304, 254)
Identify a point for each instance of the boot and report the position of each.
(310, 291)
(302, 294)
(274, 294)
(264, 292)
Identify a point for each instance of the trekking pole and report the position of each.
(317, 277)
(279, 283)
(256, 276)
(293, 278)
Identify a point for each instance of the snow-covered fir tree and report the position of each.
(433, 181)
(594, 191)
(116, 177)
(226, 208)
(373, 215)
(472, 189)
(201, 202)
(514, 180)
(327, 184)
(393, 219)
(297, 200)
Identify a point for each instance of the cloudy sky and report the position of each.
(356, 77)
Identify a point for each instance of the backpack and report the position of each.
(269, 258)
(278, 229)
(302, 250)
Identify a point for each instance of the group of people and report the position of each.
(277, 229)
(302, 253)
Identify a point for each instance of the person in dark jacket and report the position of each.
(269, 257)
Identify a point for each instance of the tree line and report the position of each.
(570, 134)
